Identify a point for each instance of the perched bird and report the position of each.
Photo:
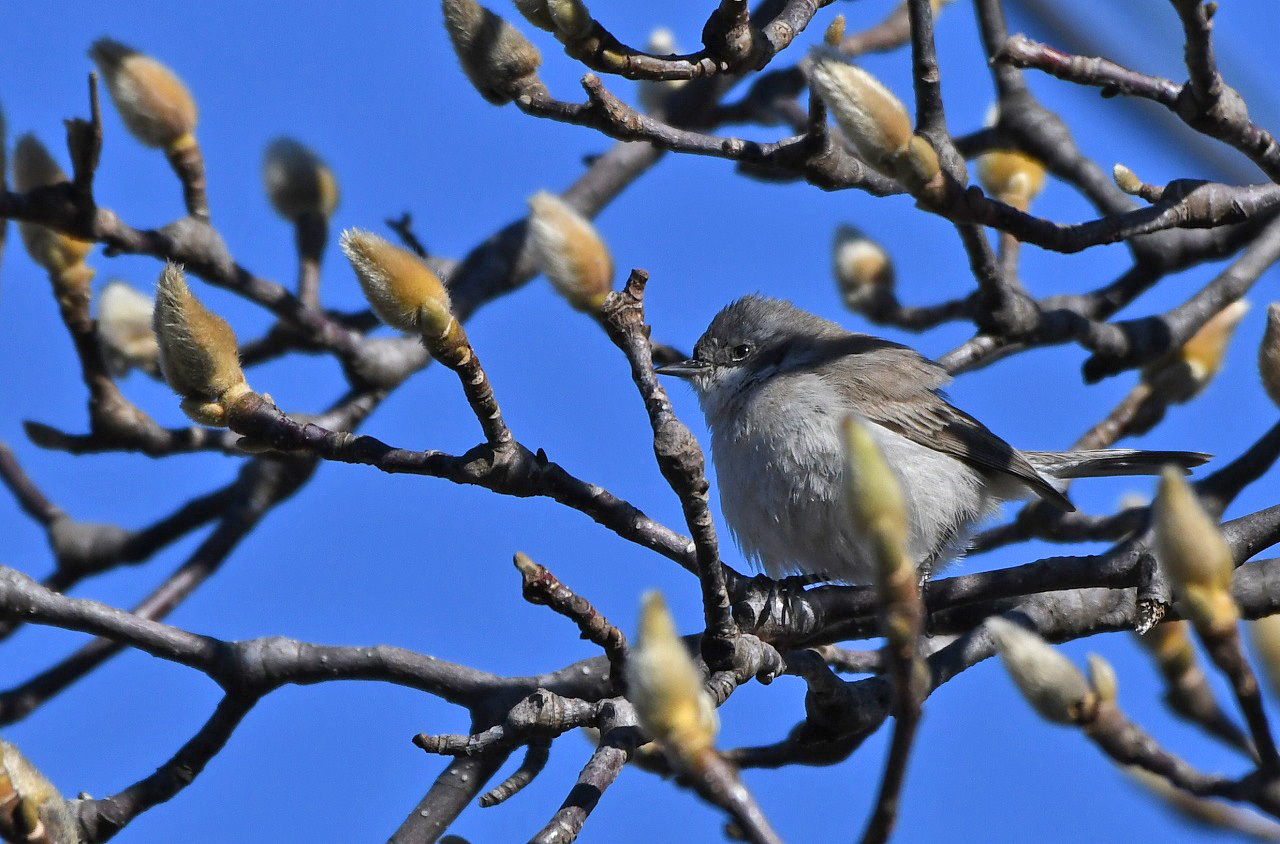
(775, 382)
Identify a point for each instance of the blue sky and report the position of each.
(362, 558)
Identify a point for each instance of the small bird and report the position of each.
(775, 382)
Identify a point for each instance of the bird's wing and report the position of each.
(908, 403)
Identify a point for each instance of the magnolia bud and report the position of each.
(33, 167)
(124, 329)
(1127, 180)
(298, 182)
(1265, 633)
(1012, 177)
(1193, 553)
(869, 115)
(493, 53)
(535, 12)
(401, 289)
(153, 102)
(1048, 680)
(1269, 354)
(570, 18)
(570, 252)
(666, 687)
(862, 268)
(653, 93)
(834, 33)
(1102, 678)
(40, 814)
(1182, 374)
(198, 353)
(876, 504)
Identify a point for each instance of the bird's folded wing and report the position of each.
(908, 406)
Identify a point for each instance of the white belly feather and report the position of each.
(789, 521)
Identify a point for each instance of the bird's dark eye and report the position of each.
(741, 351)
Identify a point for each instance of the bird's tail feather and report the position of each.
(1105, 462)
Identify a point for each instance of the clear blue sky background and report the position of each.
(360, 557)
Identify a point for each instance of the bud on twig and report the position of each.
(869, 115)
(297, 181)
(493, 54)
(653, 93)
(1012, 177)
(1127, 180)
(1102, 678)
(198, 353)
(401, 289)
(62, 256)
(1181, 375)
(535, 12)
(1048, 680)
(877, 507)
(31, 808)
(1265, 633)
(153, 102)
(1193, 553)
(1269, 354)
(862, 268)
(570, 18)
(666, 687)
(570, 252)
(124, 329)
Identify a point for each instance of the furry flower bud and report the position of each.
(153, 102)
(653, 93)
(298, 182)
(862, 268)
(666, 687)
(1194, 554)
(1012, 177)
(570, 252)
(33, 808)
(868, 114)
(198, 353)
(1049, 681)
(401, 289)
(493, 53)
(124, 329)
(1182, 374)
(33, 167)
(1269, 353)
(876, 504)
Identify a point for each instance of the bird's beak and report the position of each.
(684, 368)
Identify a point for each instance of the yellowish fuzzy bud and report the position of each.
(1194, 554)
(868, 114)
(834, 33)
(493, 53)
(125, 317)
(1269, 354)
(1012, 177)
(198, 353)
(653, 93)
(1102, 677)
(153, 102)
(535, 12)
(1126, 180)
(33, 167)
(1049, 681)
(571, 18)
(1182, 374)
(666, 687)
(861, 266)
(401, 289)
(1265, 633)
(876, 505)
(570, 251)
(1170, 644)
(298, 182)
(41, 812)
